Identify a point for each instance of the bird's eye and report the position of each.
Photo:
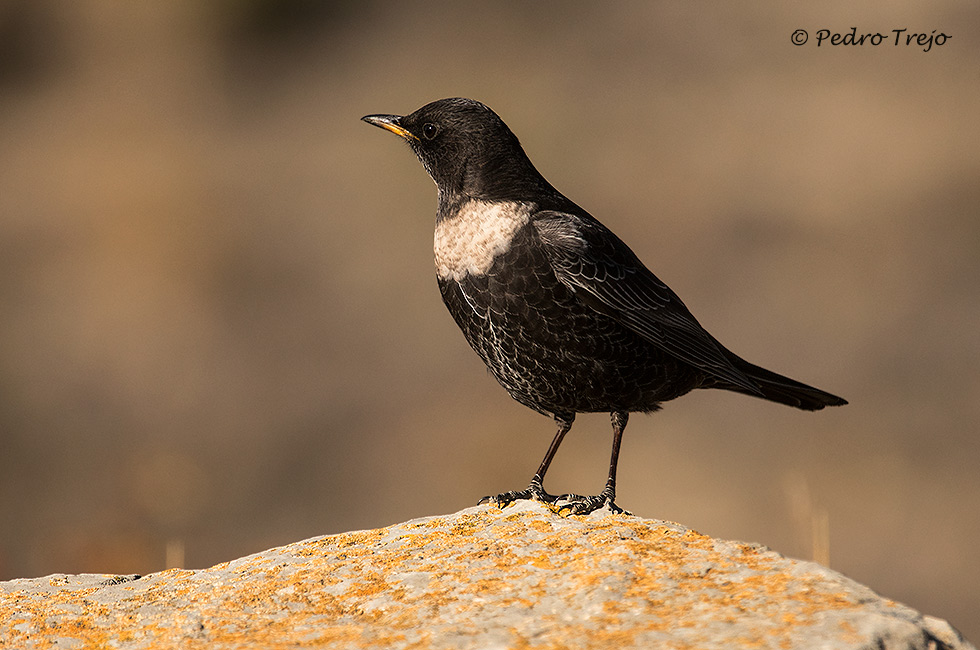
(429, 130)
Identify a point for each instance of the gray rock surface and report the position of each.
(523, 577)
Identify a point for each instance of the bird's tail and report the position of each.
(777, 388)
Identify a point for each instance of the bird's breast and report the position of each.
(468, 242)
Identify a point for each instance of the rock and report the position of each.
(481, 578)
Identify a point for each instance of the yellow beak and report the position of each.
(390, 123)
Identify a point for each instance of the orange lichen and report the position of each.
(628, 579)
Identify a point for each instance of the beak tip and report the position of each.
(380, 119)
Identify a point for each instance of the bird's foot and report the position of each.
(576, 504)
(534, 492)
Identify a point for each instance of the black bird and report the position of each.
(565, 316)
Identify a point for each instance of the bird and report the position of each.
(562, 312)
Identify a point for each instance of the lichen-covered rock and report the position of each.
(523, 577)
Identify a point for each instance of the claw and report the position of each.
(533, 492)
(575, 504)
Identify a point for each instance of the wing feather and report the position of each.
(607, 275)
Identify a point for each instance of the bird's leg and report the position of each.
(579, 505)
(535, 490)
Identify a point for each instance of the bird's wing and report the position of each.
(606, 275)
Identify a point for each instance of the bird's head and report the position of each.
(466, 148)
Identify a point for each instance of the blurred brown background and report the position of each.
(219, 325)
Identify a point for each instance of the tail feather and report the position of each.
(777, 388)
